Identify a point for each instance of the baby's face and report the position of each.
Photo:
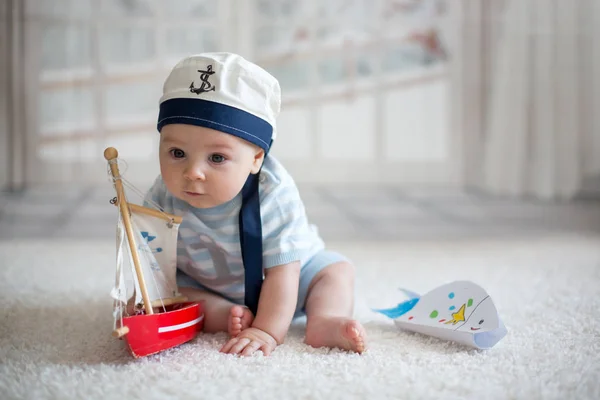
(205, 167)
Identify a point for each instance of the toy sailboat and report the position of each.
(153, 317)
(459, 311)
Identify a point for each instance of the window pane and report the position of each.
(333, 70)
(184, 41)
(58, 8)
(62, 111)
(191, 8)
(128, 8)
(131, 103)
(404, 57)
(366, 64)
(65, 47)
(294, 75)
(124, 45)
(340, 19)
(279, 9)
(359, 11)
(274, 38)
(280, 39)
(337, 68)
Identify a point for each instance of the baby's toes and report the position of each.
(235, 323)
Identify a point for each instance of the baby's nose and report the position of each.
(195, 172)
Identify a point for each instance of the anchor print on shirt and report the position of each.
(221, 274)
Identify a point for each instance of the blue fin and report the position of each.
(400, 309)
(411, 295)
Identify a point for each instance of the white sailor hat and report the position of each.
(225, 92)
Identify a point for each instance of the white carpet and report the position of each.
(55, 328)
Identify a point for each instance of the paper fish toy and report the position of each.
(459, 311)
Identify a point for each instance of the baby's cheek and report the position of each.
(227, 189)
(227, 192)
(172, 181)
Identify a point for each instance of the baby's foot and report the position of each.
(344, 333)
(240, 318)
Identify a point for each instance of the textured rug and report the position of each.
(55, 324)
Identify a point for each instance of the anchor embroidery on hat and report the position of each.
(206, 85)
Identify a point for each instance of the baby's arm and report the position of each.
(278, 298)
(276, 307)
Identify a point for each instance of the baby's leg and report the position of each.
(220, 315)
(329, 307)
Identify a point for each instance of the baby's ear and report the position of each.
(259, 157)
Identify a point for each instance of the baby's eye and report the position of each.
(217, 158)
(177, 153)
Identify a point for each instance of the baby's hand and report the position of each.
(249, 341)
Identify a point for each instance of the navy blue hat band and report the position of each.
(216, 116)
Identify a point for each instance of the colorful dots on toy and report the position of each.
(451, 308)
(433, 314)
(470, 303)
(451, 295)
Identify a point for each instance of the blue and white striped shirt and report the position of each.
(208, 248)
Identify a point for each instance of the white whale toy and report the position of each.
(459, 311)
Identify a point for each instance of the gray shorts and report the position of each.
(313, 266)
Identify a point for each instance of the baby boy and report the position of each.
(245, 247)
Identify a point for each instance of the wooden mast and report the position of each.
(111, 154)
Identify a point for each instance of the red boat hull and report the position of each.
(151, 334)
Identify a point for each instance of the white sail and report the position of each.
(156, 247)
(119, 291)
(156, 241)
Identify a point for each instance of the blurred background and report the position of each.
(401, 119)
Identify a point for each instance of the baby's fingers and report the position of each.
(266, 349)
(238, 346)
(230, 346)
(227, 346)
(251, 348)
